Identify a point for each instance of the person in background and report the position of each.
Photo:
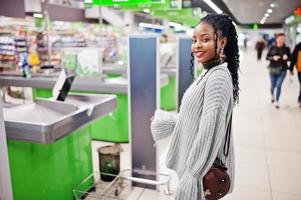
(199, 129)
(164, 38)
(259, 47)
(246, 43)
(278, 55)
(296, 60)
(272, 41)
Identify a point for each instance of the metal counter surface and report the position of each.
(95, 84)
(170, 71)
(46, 121)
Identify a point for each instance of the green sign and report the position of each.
(165, 5)
(183, 16)
(125, 2)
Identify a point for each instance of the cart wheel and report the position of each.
(116, 192)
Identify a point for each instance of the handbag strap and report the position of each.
(228, 136)
(218, 162)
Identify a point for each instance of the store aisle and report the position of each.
(267, 140)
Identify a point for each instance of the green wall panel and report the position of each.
(50, 171)
(168, 95)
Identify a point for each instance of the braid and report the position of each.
(192, 65)
(223, 27)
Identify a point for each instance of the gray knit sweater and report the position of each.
(198, 131)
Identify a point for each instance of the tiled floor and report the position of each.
(267, 140)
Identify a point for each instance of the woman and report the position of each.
(278, 56)
(199, 128)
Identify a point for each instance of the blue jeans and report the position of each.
(276, 83)
(299, 77)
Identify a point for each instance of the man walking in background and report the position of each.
(296, 60)
(259, 47)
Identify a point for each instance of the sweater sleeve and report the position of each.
(163, 124)
(211, 131)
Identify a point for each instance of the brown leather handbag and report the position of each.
(216, 182)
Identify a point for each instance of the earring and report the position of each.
(222, 56)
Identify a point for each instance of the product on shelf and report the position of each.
(7, 50)
(68, 39)
(42, 49)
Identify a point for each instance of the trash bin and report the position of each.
(109, 161)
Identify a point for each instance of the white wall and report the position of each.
(110, 15)
(33, 6)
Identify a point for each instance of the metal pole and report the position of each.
(143, 95)
(100, 15)
(47, 28)
(5, 180)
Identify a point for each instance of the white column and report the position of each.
(166, 25)
(129, 20)
(5, 182)
(99, 15)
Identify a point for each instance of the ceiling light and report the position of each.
(266, 14)
(146, 10)
(262, 21)
(213, 6)
(270, 10)
(272, 5)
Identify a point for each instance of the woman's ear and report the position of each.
(223, 42)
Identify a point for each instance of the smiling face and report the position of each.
(204, 41)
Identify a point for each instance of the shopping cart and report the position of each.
(93, 188)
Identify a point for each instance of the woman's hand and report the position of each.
(207, 192)
(284, 57)
(275, 58)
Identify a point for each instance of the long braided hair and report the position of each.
(223, 27)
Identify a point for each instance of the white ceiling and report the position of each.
(252, 11)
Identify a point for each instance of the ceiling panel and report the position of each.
(252, 11)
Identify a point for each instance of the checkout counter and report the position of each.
(111, 128)
(49, 141)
